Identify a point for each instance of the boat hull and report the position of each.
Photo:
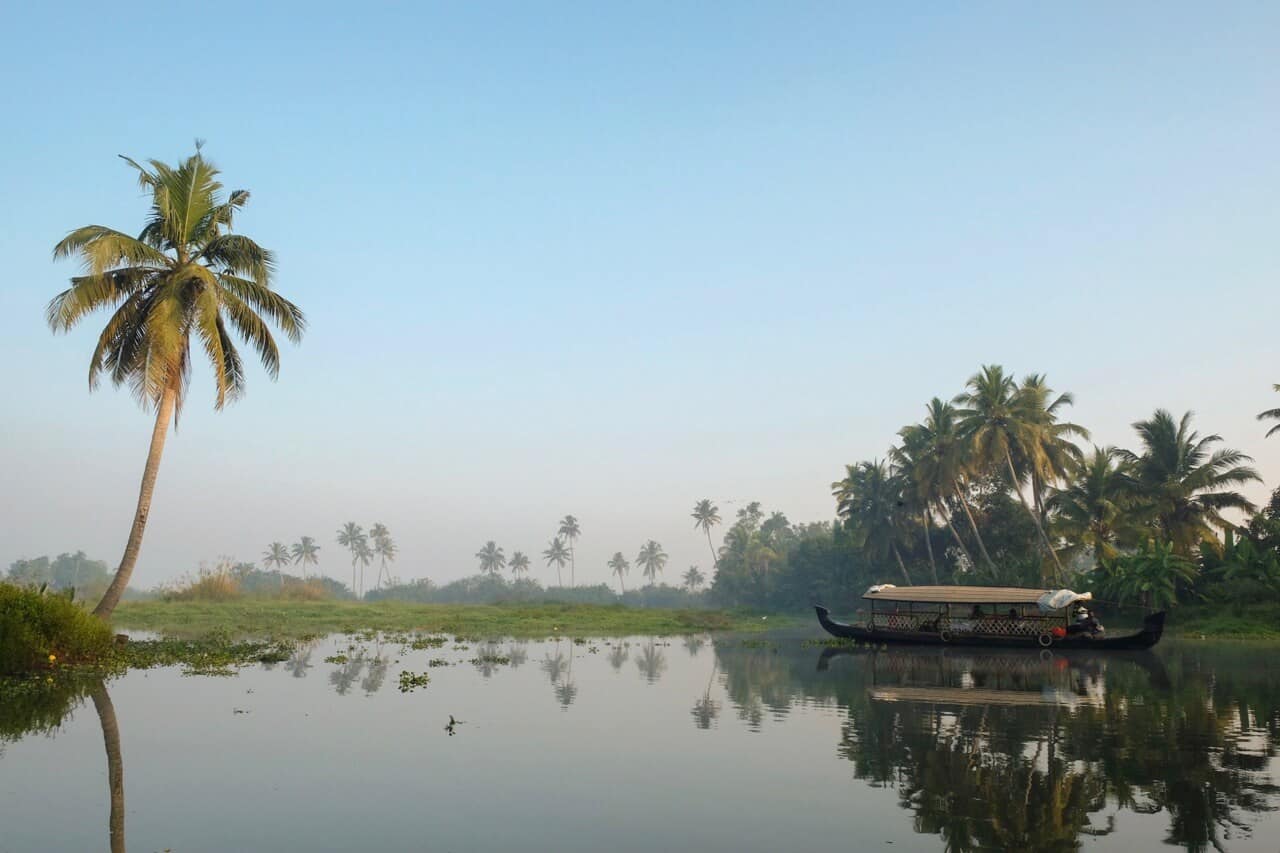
(1152, 629)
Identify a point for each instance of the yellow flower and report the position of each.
(52, 658)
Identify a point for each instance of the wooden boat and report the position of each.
(983, 616)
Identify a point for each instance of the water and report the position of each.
(682, 744)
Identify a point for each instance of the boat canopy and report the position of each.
(1045, 599)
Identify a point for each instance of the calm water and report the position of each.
(683, 744)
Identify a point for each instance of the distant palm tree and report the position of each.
(491, 558)
(1271, 414)
(570, 531)
(519, 563)
(306, 552)
(651, 559)
(185, 275)
(619, 565)
(557, 555)
(364, 556)
(869, 499)
(385, 548)
(352, 537)
(706, 515)
(277, 555)
(1184, 482)
(693, 579)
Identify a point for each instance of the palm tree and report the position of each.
(706, 515)
(906, 461)
(1271, 414)
(277, 554)
(651, 559)
(693, 579)
(619, 565)
(557, 554)
(385, 548)
(352, 537)
(1001, 421)
(518, 563)
(491, 558)
(869, 499)
(940, 465)
(1185, 484)
(1056, 456)
(305, 551)
(364, 556)
(184, 275)
(1095, 509)
(569, 531)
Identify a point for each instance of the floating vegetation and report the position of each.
(338, 659)
(501, 660)
(434, 642)
(438, 662)
(410, 681)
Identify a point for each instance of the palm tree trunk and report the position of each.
(1035, 517)
(968, 511)
(928, 543)
(715, 564)
(115, 763)
(164, 414)
(573, 569)
(905, 577)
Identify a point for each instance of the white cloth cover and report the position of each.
(1060, 598)
(881, 586)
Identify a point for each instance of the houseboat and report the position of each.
(986, 616)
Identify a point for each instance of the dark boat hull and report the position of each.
(1152, 629)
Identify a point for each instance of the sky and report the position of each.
(609, 260)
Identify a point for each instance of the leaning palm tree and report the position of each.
(693, 579)
(1184, 482)
(1000, 423)
(492, 559)
(570, 531)
(556, 554)
(519, 563)
(352, 537)
(619, 566)
(185, 275)
(706, 515)
(869, 500)
(306, 552)
(1273, 415)
(651, 559)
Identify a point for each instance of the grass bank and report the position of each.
(39, 630)
(1226, 621)
(291, 619)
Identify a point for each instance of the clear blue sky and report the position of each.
(583, 258)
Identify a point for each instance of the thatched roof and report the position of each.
(957, 594)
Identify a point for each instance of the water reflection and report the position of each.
(1018, 751)
(652, 663)
(618, 654)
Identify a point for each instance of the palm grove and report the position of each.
(993, 487)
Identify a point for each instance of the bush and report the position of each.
(35, 625)
(216, 584)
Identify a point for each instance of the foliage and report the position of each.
(1272, 415)
(1152, 576)
(40, 629)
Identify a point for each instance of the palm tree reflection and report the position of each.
(652, 663)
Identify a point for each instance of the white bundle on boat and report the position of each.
(1059, 598)
(881, 586)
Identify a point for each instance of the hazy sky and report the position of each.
(603, 260)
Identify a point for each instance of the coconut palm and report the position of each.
(906, 460)
(1096, 509)
(556, 554)
(1185, 483)
(619, 566)
(1271, 414)
(519, 563)
(869, 500)
(385, 549)
(706, 515)
(940, 465)
(185, 275)
(491, 558)
(364, 556)
(1055, 455)
(570, 531)
(305, 553)
(651, 560)
(352, 537)
(1000, 422)
(277, 555)
(693, 579)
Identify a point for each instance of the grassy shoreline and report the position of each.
(291, 619)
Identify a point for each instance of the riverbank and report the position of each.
(293, 619)
(1225, 622)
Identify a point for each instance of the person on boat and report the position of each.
(1086, 623)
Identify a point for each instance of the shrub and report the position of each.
(208, 584)
(35, 625)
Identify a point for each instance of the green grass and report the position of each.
(1226, 621)
(40, 631)
(291, 619)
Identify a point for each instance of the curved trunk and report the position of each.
(115, 764)
(1035, 516)
(573, 569)
(715, 564)
(164, 414)
(968, 512)
(928, 543)
(901, 565)
(956, 535)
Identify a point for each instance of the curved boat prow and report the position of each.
(832, 627)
